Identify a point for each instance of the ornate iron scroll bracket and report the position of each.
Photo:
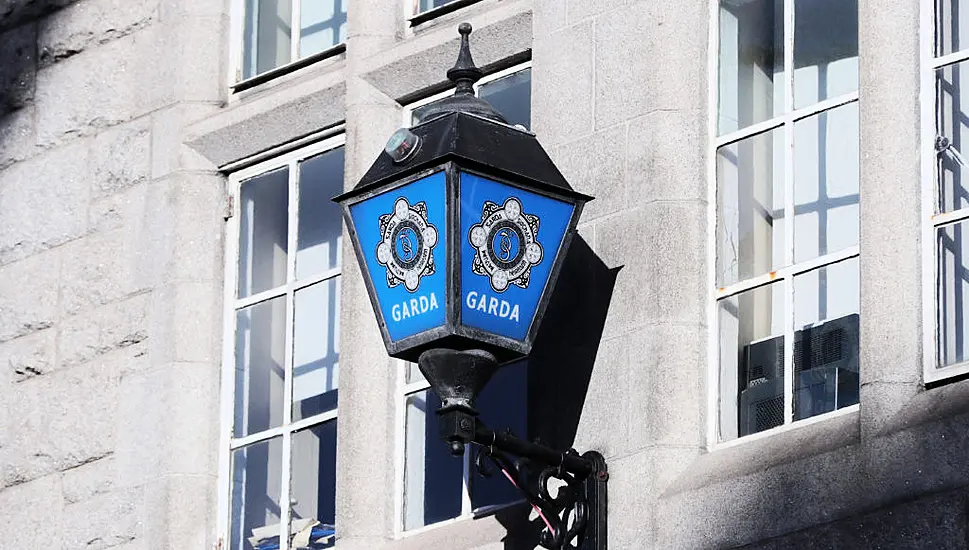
(575, 517)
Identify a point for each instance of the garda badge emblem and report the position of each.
(405, 246)
(506, 244)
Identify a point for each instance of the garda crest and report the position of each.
(506, 244)
(405, 246)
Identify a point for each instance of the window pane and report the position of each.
(320, 222)
(313, 486)
(511, 96)
(267, 35)
(952, 124)
(424, 5)
(503, 403)
(256, 488)
(412, 373)
(751, 62)
(316, 349)
(264, 218)
(952, 25)
(433, 479)
(826, 183)
(826, 339)
(825, 49)
(323, 24)
(750, 222)
(952, 297)
(751, 361)
(260, 360)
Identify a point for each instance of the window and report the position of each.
(276, 33)
(786, 294)
(282, 368)
(425, 10)
(436, 486)
(946, 198)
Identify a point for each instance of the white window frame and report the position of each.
(931, 222)
(232, 304)
(784, 275)
(405, 389)
(237, 29)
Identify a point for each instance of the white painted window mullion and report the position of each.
(788, 284)
(295, 30)
(293, 225)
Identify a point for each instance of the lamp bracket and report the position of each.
(575, 517)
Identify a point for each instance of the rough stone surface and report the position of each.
(18, 67)
(90, 23)
(26, 308)
(15, 12)
(16, 136)
(43, 202)
(29, 356)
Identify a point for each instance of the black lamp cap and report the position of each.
(464, 74)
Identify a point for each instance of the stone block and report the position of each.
(933, 522)
(548, 16)
(118, 325)
(191, 404)
(111, 84)
(28, 356)
(663, 151)
(418, 65)
(28, 295)
(104, 521)
(89, 480)
(662, 250)
(168, 151)
(201, 77)
(562, 82)
(60, 421)
(605, 425)
(577, 10)
(267, 121)
(631, 523)
(180, 512)
(15, 12)
(16, 136)
(121, 158)
(31, 513)
(140, 428)
(636, 70)
(101, 268)
(91, 23)
(666, 369)
(125, 210)
(596, 165)
(198, 214)
(43, 202)
(18, 67)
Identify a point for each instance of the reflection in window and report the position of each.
(256, 491)
(826, 179)
(434, 480)
(750, 201)
(421, 6)
(510, 95)
(782, 284)
(287, 349)
(751, 62)
(268, 37)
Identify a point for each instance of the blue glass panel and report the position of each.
(510, 238)
(402, 235)
(502, 404)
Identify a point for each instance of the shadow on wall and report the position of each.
(560, 367)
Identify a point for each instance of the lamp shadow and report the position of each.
(560, 367)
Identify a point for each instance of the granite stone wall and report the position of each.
(110, 274)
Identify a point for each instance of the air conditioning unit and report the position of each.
(825, 371)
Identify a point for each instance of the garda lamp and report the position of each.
(460, 227)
